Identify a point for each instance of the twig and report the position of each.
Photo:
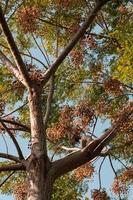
(119, 160)
(20, 107)
(25, 54)
(99, 173)
(92, 134)
(7, 178)
(45, 51)
(15, 11)
(114, 173)
(52, 157)
(14, 140)
(34, 58)
(53, 24)
(40, 49)
(104, 22)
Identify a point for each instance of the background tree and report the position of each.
(67, 69)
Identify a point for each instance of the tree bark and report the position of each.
(40, 185)
(38, 162)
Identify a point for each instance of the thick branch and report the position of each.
(14, 49)
(91, 151)
(12, 167)
(74, 40)
(9, 157)
(14, 140)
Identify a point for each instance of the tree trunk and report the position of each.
(38, 164)
(40, 187)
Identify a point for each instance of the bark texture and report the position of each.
(38, 162)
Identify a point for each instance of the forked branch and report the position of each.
(74, 40)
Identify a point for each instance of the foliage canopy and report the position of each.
(65, 65)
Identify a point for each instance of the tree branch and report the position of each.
(54, 24)
(14, 50)
(99, 173)
(92, 150)
(11, 67)
(49, 102)
(12, 167)
(14, 140)
(20, 107)
(9, 157)
(111, 164)
(74, 40)
(6, 179)
(45, 57)
(26, 128)
(69, 148)
(25, 54)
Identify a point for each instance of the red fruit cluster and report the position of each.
(63, 127)
(102, 107)
(99, 195)
(20, 190)
(119, 187)
(63, 3)
(95, 70)
(77, 57)
(72, 121)
(27, 18)
(122, 9)
(85, 112)
(84, 171)
(35, 74)
(127, 175)
(113, 86)
(18, 88)
(73, 28)
(126, 110)
(91, 42)
(2, 107)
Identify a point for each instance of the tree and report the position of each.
(62, 101)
